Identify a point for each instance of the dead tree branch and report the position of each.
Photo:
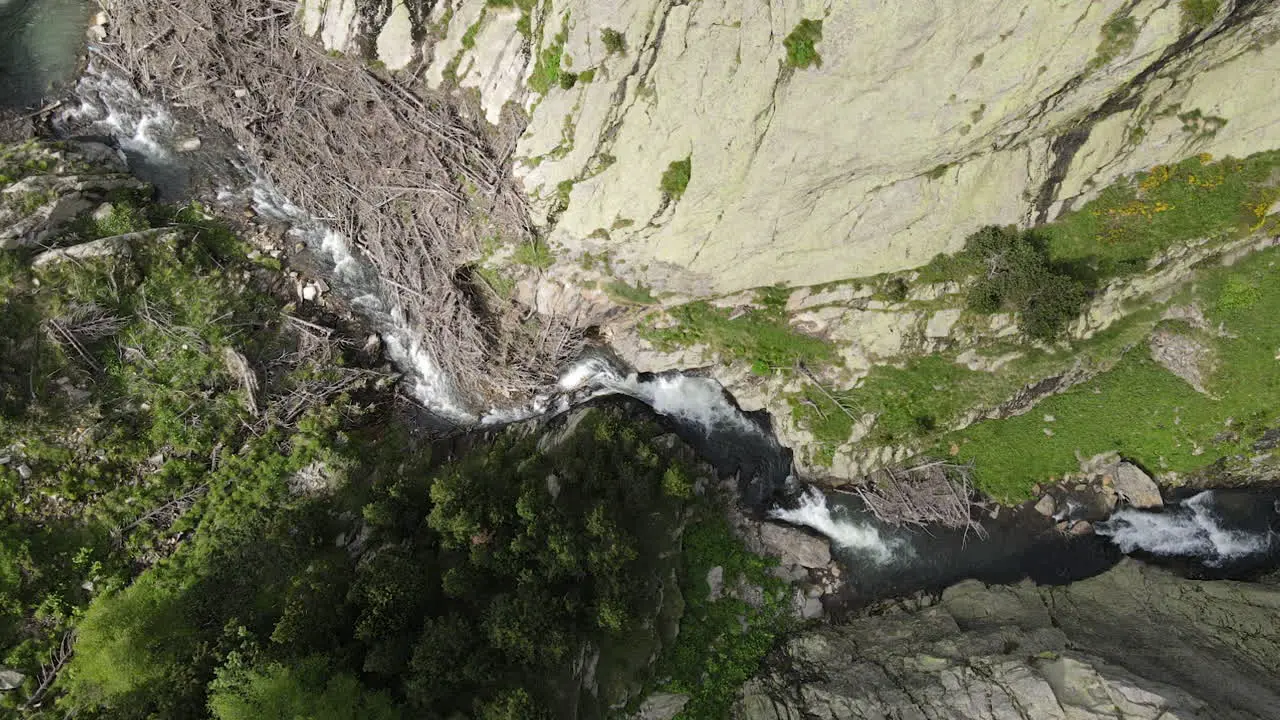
(930, 495)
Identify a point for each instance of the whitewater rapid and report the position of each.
(1189, 529)
(860, 537)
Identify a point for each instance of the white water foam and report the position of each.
(1188, 530)
(428, 383)
(693, 399)
(813, 512)
(112, 106)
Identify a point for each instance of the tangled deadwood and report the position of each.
(933, 494)
(80, 326)
(399, 172)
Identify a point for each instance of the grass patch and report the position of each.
(759, 336)
(801, 44)
(676, 178)
(546, 71)
(614, 41)
(1118, 36)
(469, 37)
(1199, 13)
(916, 404)
(634, 294)
(564, 189)
(534, 254)
(1141, 409)
(501, 285)
(1133, 220)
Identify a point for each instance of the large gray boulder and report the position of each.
(1135, 642)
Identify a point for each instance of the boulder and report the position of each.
(795, 547)
(1136, 487)
(661, 706)
(715, 583)
(115, 246)
(1046, 506)
(10, 679)
(1134, 642)
(1183, 356)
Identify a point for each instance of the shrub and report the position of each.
(614, 41)
(676, 178)
(1199, 13)
(1017, 275)
(534, 254)
(801, 44)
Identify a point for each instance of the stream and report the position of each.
(1219, 533)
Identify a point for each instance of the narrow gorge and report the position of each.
(639, 359)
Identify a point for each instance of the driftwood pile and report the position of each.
(396, 170)
(933, 494)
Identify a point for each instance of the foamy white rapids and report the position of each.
(405, 347)
(813, 512)
(1188, 530)
(112, 106)
(694, 399)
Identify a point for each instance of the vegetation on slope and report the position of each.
(759, 336)
(1142, 409)
(209, 511)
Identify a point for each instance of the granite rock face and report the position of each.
(914, 123)
(1135, 642)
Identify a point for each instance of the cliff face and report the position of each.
(829, 140)
(678, 151)
(1135, 642)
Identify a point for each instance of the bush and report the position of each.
(801, 44)
(614, 41)
(1015, 274)
(676, 178)
(1200, 13)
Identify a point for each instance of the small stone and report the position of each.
(310, 292)
(10, 679)
(190, 144)
(1081, 487)
(24, 471)
(1049, 418)
(1081, 527)
(242, 93)
(812, 609)
(103, 212)
(1046, 506)
(1048, 432)
(715, 583)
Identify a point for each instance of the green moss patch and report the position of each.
(676, 178)
(801, 44)
(759, 336)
